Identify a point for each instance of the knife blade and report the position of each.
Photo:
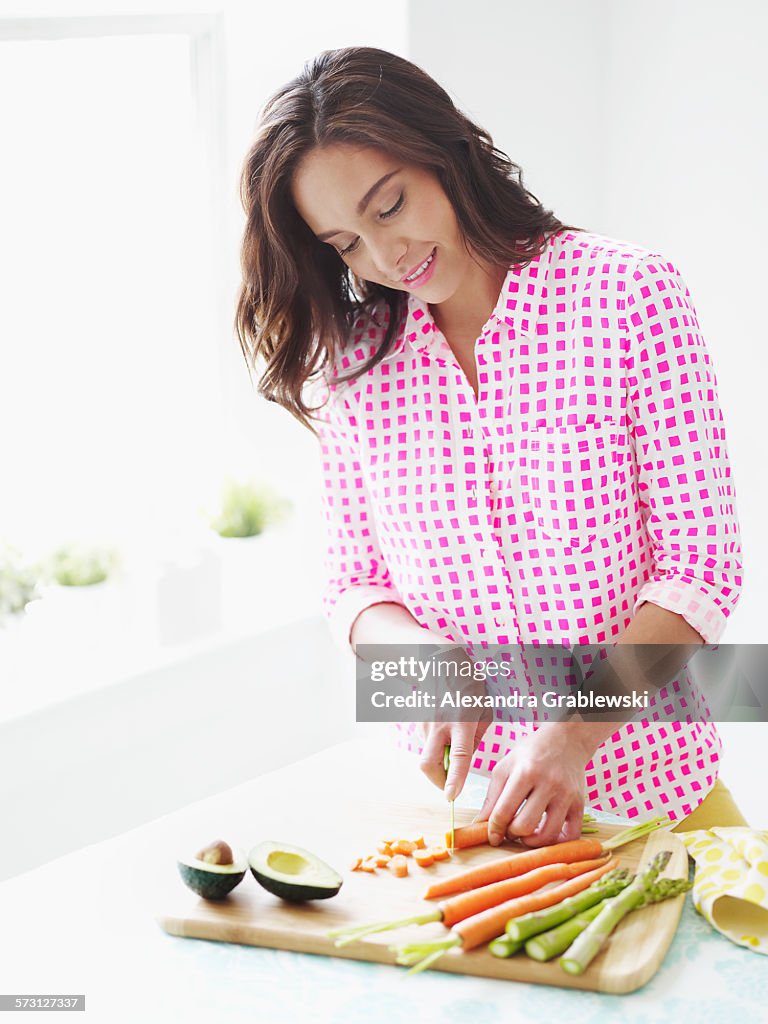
(446, 766)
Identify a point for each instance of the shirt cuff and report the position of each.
(699, 611)
(349, 605)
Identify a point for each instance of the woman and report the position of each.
(521, 443)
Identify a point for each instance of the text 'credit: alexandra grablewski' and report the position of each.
(626, 682)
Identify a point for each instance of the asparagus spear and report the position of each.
(549, 944)
(504, 946)
(644, 889)
(521, 928)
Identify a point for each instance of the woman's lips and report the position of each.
(425, 275)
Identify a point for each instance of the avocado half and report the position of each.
(212, 881)
(293, 873)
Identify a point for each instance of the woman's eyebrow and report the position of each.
(363, 204)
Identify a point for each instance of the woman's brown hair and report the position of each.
(298, 299)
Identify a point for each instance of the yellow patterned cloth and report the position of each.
(730, 884)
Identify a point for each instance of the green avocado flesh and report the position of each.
(293, 873)
(211, 881)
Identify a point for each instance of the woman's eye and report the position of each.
(394, 209)
(350, 248)
(387, 213)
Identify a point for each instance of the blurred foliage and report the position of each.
(80, 565)
(19, 579)
(247, 508)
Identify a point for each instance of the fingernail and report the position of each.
(494, 838)
(450, 793)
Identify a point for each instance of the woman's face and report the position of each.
(385, 218)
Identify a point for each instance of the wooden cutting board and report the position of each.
(348, 823)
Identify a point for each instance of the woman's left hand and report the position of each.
(544, 773)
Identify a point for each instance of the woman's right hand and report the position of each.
(463, 739)
(462, 736)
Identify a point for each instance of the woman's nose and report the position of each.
(389, 257)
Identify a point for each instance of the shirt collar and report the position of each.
(518, 305)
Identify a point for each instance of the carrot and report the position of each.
(403, 846)
(518, 863)
(385, 848)
(381, 860)
(476, 834)
(483, 927)
(424, 858)
(398, 865)
(369, 866)
(515, 864)
(468, 904)
(468, 835)
(474, 931)
(439, 852)
(355, 865)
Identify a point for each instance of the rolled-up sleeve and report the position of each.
(355, 571)
(686, 488)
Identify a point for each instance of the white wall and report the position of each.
(101, 763)
(644, 122)
(259, 47)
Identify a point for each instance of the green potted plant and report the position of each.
(247, 508)
(19, 579)
(80, 599)
(245, 523)
(80, 565)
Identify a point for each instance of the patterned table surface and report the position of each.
(84, 924)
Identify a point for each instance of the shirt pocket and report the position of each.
(572, 481)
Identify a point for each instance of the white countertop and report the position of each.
(85, 923)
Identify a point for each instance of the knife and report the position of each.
(446, 766)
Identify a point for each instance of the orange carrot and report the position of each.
(515, 864)
(519, 863)
(439, 852)
(468, 904)
(474, 931)
(472, 904)
(403, 846)
(468, 835)
(381, 860)
(385, 848)
(424, 858)
(369, 866)
(398, 865)
(355, 865)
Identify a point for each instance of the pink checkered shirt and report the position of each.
(589, 475)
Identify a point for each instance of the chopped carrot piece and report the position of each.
(385, 847)
(439, 852)
(404, 846)
(398, 865)
(418, 839)
(355, 865)
(381, 860)
(369, 866)
(424, 858)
